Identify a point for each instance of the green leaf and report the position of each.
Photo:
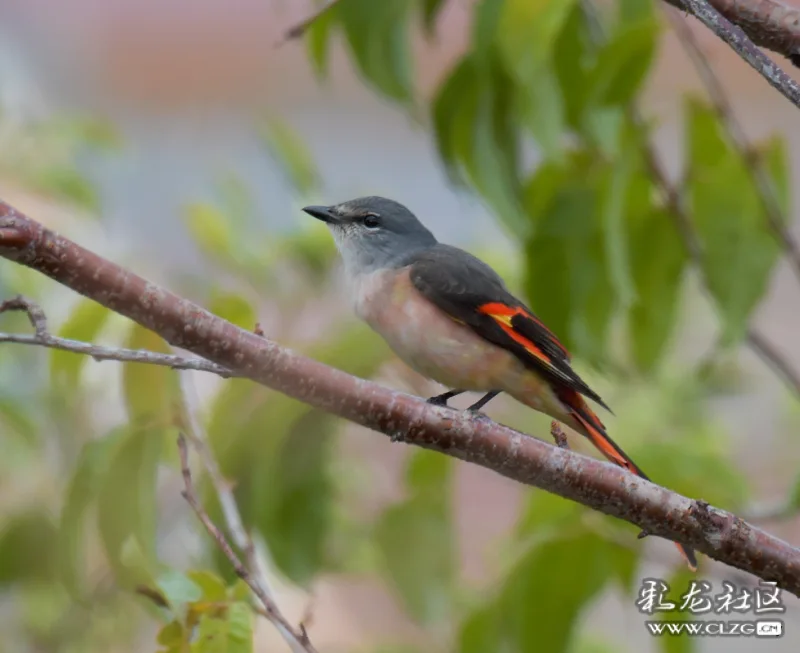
(452, 101)
(211, 230)
(28, 548)
(567, 278)
(529, 29)
(540, 580)
(178, 588)
(603, 128)
(546, 514)
(256, 433)
(377, 35)
(421, 524)
(623, 63)
(317, 38)
(86, 320)
(212, 586)
(573, 61)
(228, 631)
(477, 137)
(171, 636)
(89, 471)
(68, 183)
(430, 12)
(313, 248)
(299, 522)
(635, 11)
(614, 193)
(16, 419)
(234, 308)
(153, 394)
(542, 109)
(739, 252)
(127, 506)
(775, 158)
(678, 584)
(657, 275)
(484, 28)
(291, 152)
(483, 631)
(794, 495)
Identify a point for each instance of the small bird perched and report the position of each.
(450, 317)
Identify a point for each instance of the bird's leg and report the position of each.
(483, 401)
(441, 400)
(476, 407)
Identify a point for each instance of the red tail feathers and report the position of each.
(590, 425)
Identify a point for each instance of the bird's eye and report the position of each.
(371, 221)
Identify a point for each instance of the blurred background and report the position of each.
(180, 139)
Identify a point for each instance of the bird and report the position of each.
(451, 318)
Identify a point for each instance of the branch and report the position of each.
(43, 338)
(595, 484)
(297, 639)
(766, 189)
(735, 37)
(768, 23)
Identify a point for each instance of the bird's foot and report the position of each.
(558, 435)
(441, 400)
(476, 407)
(478, 415)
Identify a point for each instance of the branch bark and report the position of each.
(598, 485)
(735, 37)
(768, 23)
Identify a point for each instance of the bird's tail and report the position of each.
(588, 424)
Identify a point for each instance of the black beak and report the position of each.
(321, 213)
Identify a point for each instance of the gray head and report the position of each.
(372, 233)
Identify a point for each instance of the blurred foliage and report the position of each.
(43, 154)
(536, 119)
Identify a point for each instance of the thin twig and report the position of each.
(35, 313)
(100, 353)
(43, 338)
(298, 637)
(759, 344)
(735, 37)
(767, 192)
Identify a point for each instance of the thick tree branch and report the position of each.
(735, 37)
(768, 23)
(598, 485)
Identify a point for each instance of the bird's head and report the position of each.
(372, 233)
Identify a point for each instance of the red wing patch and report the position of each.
(505, 314)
